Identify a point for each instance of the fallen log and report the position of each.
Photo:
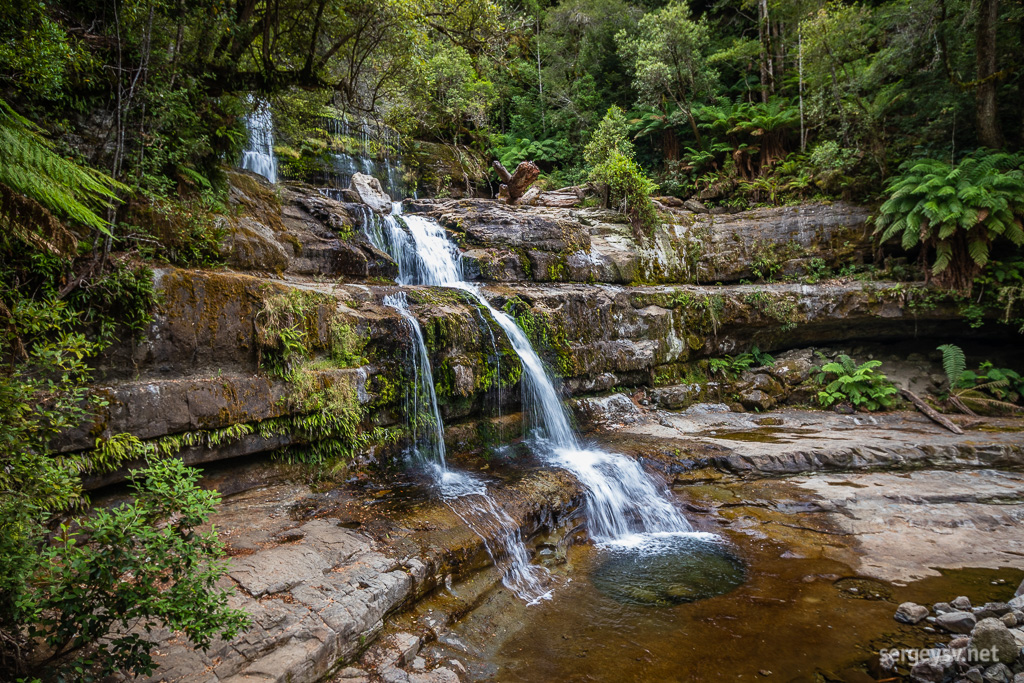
(929, 411)
(516, 184)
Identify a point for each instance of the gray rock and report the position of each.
(1018, 678)
(911, 613)
(957, 622)
(992, 635)
(975, 675)
(1017, 603)
(932, 671)
(998, 673)
(371, 193)
(1009, 619)
(942, 607)
(1020, 590)
(962, 603)
(439, 675)
(755, 399)
(408, 647)
(695, 205)
(991, 609)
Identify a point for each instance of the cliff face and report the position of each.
(214, 379)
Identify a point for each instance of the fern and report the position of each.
(957, 211)
(953, 362)
(36, 182)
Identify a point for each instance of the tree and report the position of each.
(668, 57)
(610, 157)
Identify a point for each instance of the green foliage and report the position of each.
(958, 211)
(50, 183)
(858, 384)
(120, 572)
(668, 56)
(610, 156)
(731, 367)
(988, 387)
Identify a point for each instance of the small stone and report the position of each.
(1019, 678)
(1009, 619)
(975, 675)
(911, 613)
(765, 672)
(991, 636)
(419, 664)
(408, 645)
(998, 673)
(941, 607)
(959, 643)
(929, 629)
(957, 622)
(854, 590)
(961, 603)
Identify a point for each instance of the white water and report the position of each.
(258, 156)
(625, 507)
(464, 494)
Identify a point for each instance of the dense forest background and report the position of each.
(753, 100)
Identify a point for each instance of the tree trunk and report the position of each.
(987, 109)
(515, 184)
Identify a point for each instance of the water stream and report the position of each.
(625, 506)
(465, 494)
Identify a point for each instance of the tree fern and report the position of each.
(35, 181)
(958, 211)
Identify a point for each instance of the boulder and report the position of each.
(371, 193)
(957, 622)
(961, 602)
(695, 205)
(993, 636)
(911, 613)
(991, 609)
(942, 608)
(1017, 603)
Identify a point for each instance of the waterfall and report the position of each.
(464, 494)
(624, 505)
(428, 446)
(258, 156)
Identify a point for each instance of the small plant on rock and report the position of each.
(989, 387)
(858, 384)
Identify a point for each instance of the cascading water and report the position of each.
(258, 156)
(464, 494)
(625, 506)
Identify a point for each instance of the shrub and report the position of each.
(858, 384)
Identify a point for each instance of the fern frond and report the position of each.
(953, 362)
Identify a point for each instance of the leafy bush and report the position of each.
(121, 572)
(858, 384)
(957, 211)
